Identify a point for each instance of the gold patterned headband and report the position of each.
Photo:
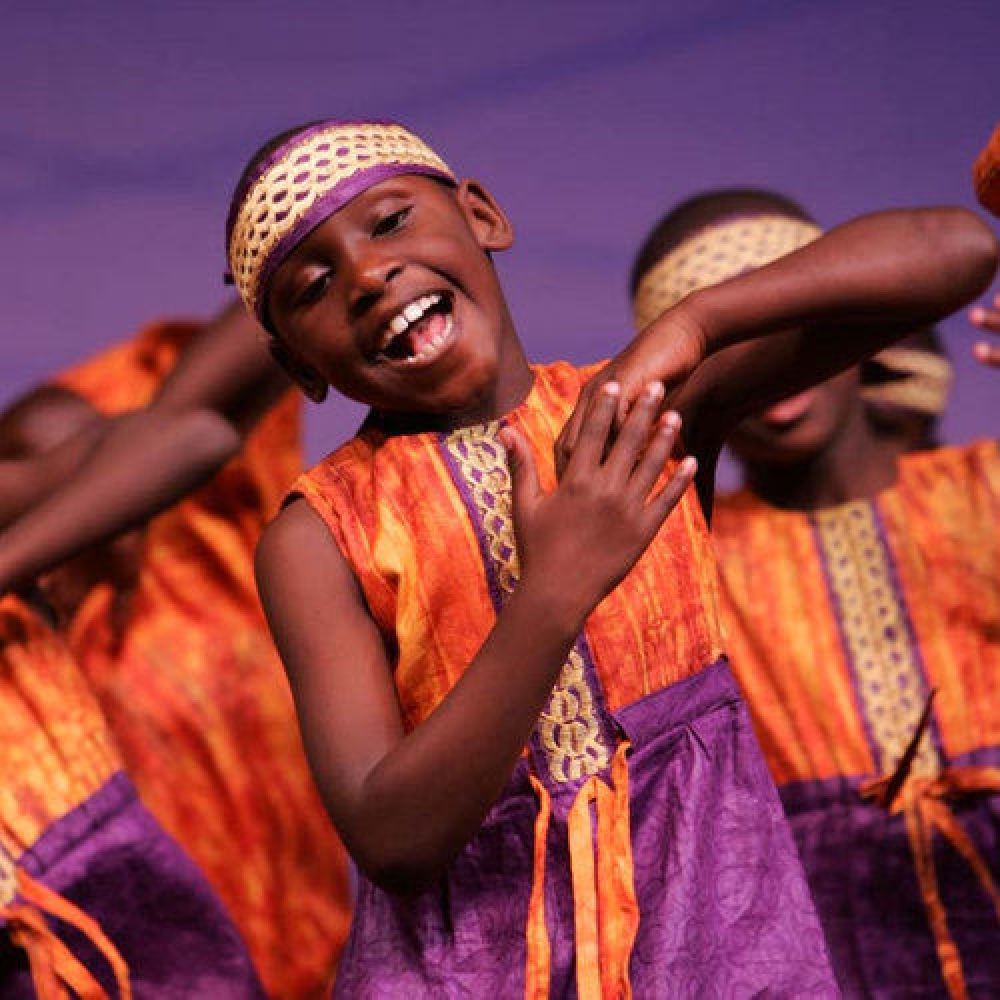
(714, 254)
(923, 384)
(303, 182)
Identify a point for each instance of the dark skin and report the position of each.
(113, 475)
(728, 351)
(822, 448)
(406, 803)
(36, 426)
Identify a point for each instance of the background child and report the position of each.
(858, 575)
(167, 628)
(487, 674)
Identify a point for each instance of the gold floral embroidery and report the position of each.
(873, 622)
(568, 726)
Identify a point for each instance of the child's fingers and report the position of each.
(988, 354)
(634, 435)
(594, 430)
(986, 319)
(655, 456)
(525, 488)
(664, 502)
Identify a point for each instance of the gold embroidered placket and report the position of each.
(873, 622)
(567, 727)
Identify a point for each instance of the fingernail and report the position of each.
(672, 420)
(982, 351)
(689, 466)
(654, 390)
(977, 315)
(611, 388)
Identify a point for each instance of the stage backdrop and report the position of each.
(125, 125)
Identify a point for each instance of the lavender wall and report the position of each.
(125, 125)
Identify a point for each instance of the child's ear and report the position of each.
(306, 378)
(484, 216)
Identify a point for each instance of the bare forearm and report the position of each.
(143, 462)
(25, 482)
(428, 796)
(885, 272)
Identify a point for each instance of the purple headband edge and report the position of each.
(276, 154)
(330, 203)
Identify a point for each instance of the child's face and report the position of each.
(393, 300)
(801, 427)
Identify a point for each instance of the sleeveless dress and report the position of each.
(840, 624)
(94, 896)
(638, 847)
(196, 695)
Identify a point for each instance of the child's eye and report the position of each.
(314, 290)
(390, 222)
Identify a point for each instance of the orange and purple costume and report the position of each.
(841, 622)
(639, 843)
(196, 696)
(99, 898)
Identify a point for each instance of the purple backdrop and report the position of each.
(125, 125)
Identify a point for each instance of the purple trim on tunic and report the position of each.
(562, 792)
(724, 907)
(861, 872)
(897, 587)
(325, 206)
(110, 858)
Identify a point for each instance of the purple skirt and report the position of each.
(110, 858)
(724, 910)
(861, 871)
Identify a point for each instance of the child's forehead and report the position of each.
(307, 179)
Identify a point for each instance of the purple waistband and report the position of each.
(804, 796)
(707, 691)
(67, 831)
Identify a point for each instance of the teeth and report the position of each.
(410, 313)
(433, 344)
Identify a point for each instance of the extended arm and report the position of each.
(406, 803)
(136, 465)
(727, 350)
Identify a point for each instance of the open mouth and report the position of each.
(420, 331)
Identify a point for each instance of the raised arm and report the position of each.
(129, 468)
(406, 803)
(725, 351)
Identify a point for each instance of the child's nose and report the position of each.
(370, 274)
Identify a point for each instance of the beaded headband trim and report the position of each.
(306, 180)
(924, 383)
(715, 253)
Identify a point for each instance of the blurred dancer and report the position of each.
(173, 641)
(860, 576)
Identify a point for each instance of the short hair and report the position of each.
(704, 209)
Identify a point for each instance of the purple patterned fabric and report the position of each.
(861, 872)
(112, 860)
(724, 909)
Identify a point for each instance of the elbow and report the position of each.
(970, 250)
(402, 870)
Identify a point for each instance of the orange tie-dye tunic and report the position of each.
(640, 802)
(98, 897)
(839, 624)
(196, 695)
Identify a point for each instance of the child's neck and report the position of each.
(857, 464)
